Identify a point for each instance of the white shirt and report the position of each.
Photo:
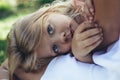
(106, 67)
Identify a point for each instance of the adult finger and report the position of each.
(89, 33)
(88, 42)
(93, 46)
(85, 25)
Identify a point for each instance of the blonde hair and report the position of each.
(24, 37)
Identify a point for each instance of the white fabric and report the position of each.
(106, 67)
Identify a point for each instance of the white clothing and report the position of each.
(106, 67)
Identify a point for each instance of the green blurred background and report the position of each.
(10, 11)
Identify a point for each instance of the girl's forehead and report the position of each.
(46, 18)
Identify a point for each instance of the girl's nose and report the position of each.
(64, 36)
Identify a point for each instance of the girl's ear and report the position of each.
(78, 3)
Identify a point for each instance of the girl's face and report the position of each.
(57, 34)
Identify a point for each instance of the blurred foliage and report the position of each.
(23, 4)
(3, 55)
(5, 9)
(45, 1)
(31, 3)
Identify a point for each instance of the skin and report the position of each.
(62, 31)
(59, 35)
(84, 41)
(108, 20)
(63, 28)
(48, 52)
(62, 36)
(107, 14)
(64, 46)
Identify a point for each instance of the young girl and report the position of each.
(37, 38)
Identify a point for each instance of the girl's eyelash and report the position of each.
(50, 30)
(55, 48)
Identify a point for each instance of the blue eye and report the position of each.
(55, 49)
(50, 30)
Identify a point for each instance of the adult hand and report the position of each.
(86, 37)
